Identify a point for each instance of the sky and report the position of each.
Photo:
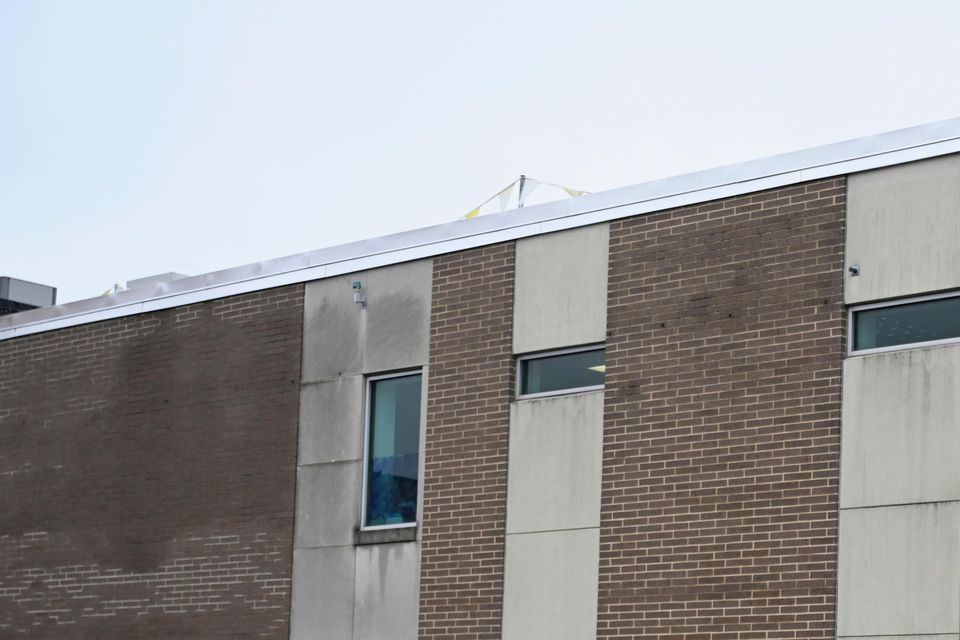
(142, 137)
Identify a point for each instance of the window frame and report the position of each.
(600, 346)
(899, 302)
(368, 393)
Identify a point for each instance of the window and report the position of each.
(391, 459)
(547, 374)
(896, 325)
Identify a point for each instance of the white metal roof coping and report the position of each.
(841, 158)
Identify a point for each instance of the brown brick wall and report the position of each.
(147, 469)
(721, 428)
(465, 453)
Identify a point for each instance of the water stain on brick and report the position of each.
(146, 446)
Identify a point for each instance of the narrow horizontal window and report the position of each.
(910, 322)
(562, 372)
(392, 451)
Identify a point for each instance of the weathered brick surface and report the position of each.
(721, 428)
(465, 454)
(147, 469)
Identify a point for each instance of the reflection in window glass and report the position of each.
(906, 323)
(393, 451)
(564, 371)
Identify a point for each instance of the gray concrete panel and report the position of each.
(333, 329)
(903, 229)
(328, 497)
(550, 585)
(322, 600)
(900, 427)
(331, 420)
(555, 460)
(561, 289)
(398, 316)
(387, 592)
(899, 570)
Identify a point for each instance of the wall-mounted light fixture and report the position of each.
(358, 296)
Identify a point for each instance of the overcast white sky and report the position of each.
(143, 137)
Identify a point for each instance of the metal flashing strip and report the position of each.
(851, 156)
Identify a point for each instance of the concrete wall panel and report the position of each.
(900, 427)
(320, 606)
(899, 570)
(328, 500)
(561, 289)
(331, 420)
(333, 329)
(398, 316)
(387, 592)
(903, 229)
(550, 590)
(556, 450)
(343, 343)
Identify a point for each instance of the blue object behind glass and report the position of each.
(393, 451)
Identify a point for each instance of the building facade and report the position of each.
(724, 405)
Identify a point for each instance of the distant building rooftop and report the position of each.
(19, 295)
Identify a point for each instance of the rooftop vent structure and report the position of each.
(20, 295)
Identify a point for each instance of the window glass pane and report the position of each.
(565, 371)
(903, 324)
(393, 451)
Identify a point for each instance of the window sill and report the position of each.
(384, 536)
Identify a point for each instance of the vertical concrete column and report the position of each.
(344, 589)
(899, 555)
(553, 518)
(556, 444)
(329, 464)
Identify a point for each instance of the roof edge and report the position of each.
(840, 158)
